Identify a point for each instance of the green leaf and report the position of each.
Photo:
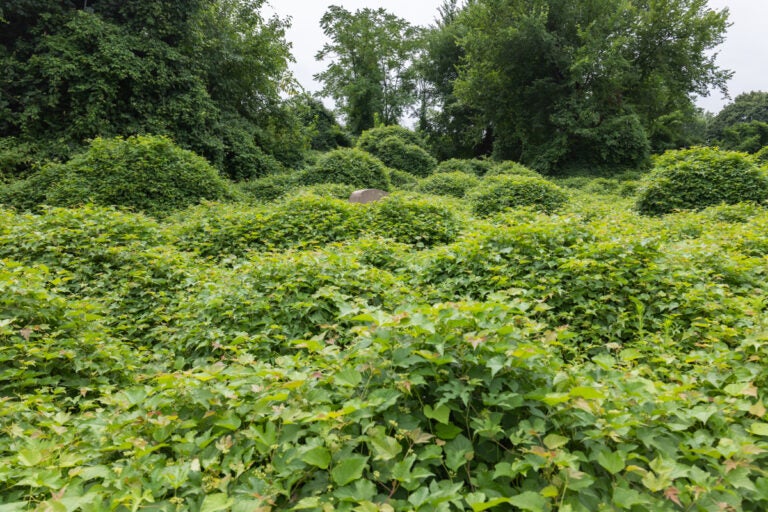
(216, 502)
(229, 421)
(348, 377)
(554, 441)
(529, 500)
(587, 392)
(349, 469)
(458, 452)
(386, 447)
(759, 429)
(441, 413)
(613, 462)
(318, 456)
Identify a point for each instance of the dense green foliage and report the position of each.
(512, 168)
(745, 108)
(348, 166)
(145, 173)
(497, 193)
(370, 140)
(696, 178)
(369, 75)
(455, 184)
(405, 157)
(469, 166)
(208, 74)
(594, 360)
(583, 83)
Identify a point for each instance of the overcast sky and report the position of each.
(745, 51)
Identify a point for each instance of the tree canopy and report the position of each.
(585, 82)
(370, 74)
(208, 73)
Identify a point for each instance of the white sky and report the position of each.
(745, 50)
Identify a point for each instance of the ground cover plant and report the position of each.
(311, 354)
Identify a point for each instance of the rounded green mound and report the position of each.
(761, 157)
(349, 167)
(513, 169)
(498, 193)
(370, 139)
(455, 184)
(416, 221)
(144, 172)
(693, 179)
(474, 167)
(397, 154)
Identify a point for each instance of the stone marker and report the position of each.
(368, 195)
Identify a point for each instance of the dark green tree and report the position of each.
(453, 128)
(207, 73)
(370, 73)
(745, 108)
(585, 82)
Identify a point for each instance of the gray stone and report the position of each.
(368, 195)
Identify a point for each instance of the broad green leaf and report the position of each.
(628, 498)
(348, 377)
(554, 441)
(760, 429)
(529, 500)
(458, 452)
(318, 456)
(440, 413)
(349, 469)
(386, 447)
(613, 462)
(587, 392)
(229, 421)
(216, 502)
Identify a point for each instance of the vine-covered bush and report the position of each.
(512, 168)
(270, 187)
(693, 179)
(143, 172)
(455, 184)
(350, 167)
(474, 166)
(497, 193)
(413, 220)
(17, 159)
(402, 180)
(761, 157)
(370, 139)
(403, 156)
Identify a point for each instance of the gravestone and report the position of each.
(368, 195)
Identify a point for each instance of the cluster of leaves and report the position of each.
(695, 178)
(399, 148)
(455, 184)
(497, 193)
(146, 173)
(469, 166)
(350, 167)
(308, 220)
(596, 359)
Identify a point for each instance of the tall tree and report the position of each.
(745, 108)
(370, 74)
(206, 72)
(585, 82)
(453, 128)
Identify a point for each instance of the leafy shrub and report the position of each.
(350, 167)
(455, 184)
(497, 193)
(330, 190)
(475, 167)
(411, 220)
(50, 340)
(370, 139)
(405, 157)
(512, 168)
(17, 159)
(693, 179)
(304, 220)
(402, 180)
(761, 157)
(147, 173)
(269, 188)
